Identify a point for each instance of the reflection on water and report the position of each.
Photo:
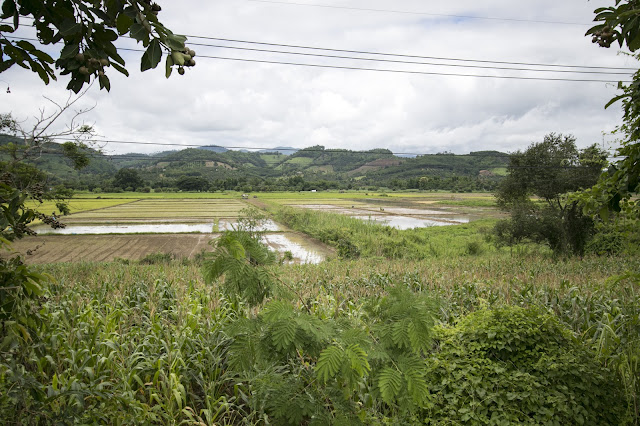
(282, 243)
(156, 228)
(405, 222)
(267, 225)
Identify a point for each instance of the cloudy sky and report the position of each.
(251, 104)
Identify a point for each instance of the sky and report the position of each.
(235, 103)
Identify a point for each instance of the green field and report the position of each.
(420, 326)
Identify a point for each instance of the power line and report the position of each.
(419, 13)
(407, 62)
(408, 56)
(381, 54)
(271, 149)
(408, 71)
(427, 166)
(583, 80)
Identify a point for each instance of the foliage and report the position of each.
(128, 178)
(617, 189)
(22, 187)
(145, 356)
(163, 325)
(88, 29)
(354, 238)
(241, 257)
(549, 170)
(519, 366)
(303, 368)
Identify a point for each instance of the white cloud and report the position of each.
(265, 105)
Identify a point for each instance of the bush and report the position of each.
(156, 258)
(519, 366)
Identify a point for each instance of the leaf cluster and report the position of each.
(241, 259)
(516, 365)
(301, 368)
(87, 30)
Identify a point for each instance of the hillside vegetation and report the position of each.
(210, 169)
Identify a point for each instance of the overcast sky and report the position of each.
(249, 104)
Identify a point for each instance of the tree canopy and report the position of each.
(549, 170)
(618, 188)
(87, 30)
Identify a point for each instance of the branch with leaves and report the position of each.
(88, 29)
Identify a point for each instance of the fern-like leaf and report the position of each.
(329, 363)
(389, 383)
(283, 334)
(400, 333)
(414, 371)
(277, 310)
(358, 360)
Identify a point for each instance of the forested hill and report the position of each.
(314, 167)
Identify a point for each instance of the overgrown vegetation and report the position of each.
(549, 170)
(379, 343)
(354, 237)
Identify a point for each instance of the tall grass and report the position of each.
(355, 238)
(132, 343)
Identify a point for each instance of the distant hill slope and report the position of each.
(376, 167)
(52, 160)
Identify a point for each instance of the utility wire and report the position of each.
(407, 56)
(365, 9)
(379, 54)
(409, 62)
(130, 157)
(254, 149)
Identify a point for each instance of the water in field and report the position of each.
(405, 222)
(153, 228)
(301, 250)
(396, 217)
(265, 226)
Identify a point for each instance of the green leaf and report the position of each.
(104, 82)
(358, 359)
(169, 66)
(604, 213)
(123, 24)
(120, 68)
(152, 56)
(277, 310)
(329, 363)
(139, 32)
(389, 383)
(176, 42)
(69, 51)
(70, 27)
(283, 334)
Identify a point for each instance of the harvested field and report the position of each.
(104, 248)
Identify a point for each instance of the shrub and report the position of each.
(516, 365)
(156, 258)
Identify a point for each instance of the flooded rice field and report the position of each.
(143, 237)
(405, 222)
(394, 216)
(155, 228)
(73, 228)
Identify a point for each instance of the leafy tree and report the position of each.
(548, 170)
(192, 183)
(87, 30)
(618, 188)
(22, 187)
(128, 178)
